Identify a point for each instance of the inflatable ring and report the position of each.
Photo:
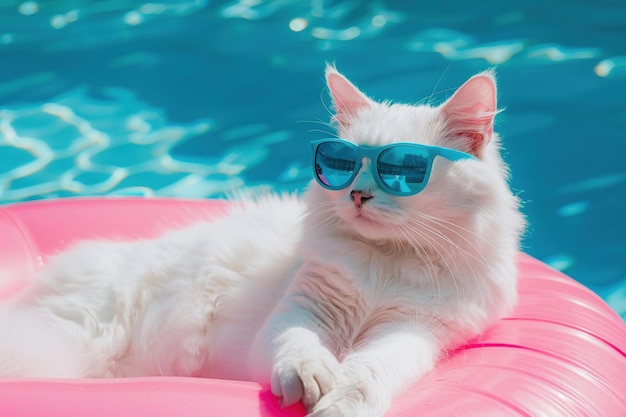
(561, 353)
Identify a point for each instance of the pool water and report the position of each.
(198, 98)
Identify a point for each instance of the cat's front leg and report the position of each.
(389, 361)
(289, 351)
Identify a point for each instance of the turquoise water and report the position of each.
(203, 98)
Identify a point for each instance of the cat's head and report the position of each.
(458, 194)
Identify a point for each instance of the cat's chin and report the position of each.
(369, 226)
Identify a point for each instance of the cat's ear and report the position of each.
(347, 99)
(469, 114)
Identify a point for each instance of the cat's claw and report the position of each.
(305, 378)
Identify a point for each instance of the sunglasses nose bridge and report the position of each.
(370, 163)
(367, 157)
(365, 179)
(366, 166)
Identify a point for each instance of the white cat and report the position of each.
(341, 298)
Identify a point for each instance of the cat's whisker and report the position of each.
(433, 92)
(331, 132)
(462, 251)
(428, 263)
(465, 254)
(323, 95)
(326, 211)
(447, 225)
(417, 245)
(317, 121)
(328, 134)
(417, 227)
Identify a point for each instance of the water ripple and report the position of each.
(117, 146)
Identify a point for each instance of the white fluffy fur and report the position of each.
(339, 306)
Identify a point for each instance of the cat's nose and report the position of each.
(360, 197)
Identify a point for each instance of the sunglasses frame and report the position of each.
(373, 153)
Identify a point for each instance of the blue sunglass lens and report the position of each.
(335, 163)
(403, 168)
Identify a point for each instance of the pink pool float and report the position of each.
(561, 353)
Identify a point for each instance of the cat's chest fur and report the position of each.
(355, 289)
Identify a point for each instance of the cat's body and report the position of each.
(187, 303)
(340, 299)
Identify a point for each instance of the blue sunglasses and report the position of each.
(402, 169)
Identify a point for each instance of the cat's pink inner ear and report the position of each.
(346, 97)
(470, 112)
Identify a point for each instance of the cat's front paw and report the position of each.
(305, 375)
